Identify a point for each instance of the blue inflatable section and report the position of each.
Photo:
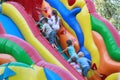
(0, 8)
(70, 17)
(10, 27)
(51, 75)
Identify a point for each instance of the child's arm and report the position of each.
(37, 23)
(50, 21)
(64, 50)
(43, 28)
(42, 9)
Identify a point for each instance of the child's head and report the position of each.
(73, 59)
(54, 12)
(80, 54)
(69, 42)
(44, 20)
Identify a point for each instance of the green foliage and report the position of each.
(109, 9)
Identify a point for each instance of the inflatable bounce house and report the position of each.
(26, 55)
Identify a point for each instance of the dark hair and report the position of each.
(73, 59)
(54, 12)
(45, 19)
(69, 42)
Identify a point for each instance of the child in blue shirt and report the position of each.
(84, 63)
(70, 50)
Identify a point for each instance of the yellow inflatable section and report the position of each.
(13, 13)
(27, 73)
(84, 20)
(114, 76)
(65, 2)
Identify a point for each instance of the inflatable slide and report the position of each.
(36, 33)
(9, 48)
(97, 38)
(81, 19)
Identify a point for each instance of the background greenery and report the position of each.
(109, 9)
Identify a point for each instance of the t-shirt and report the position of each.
(46, 27)
(76, 66)
(72, 52)
(83, 61)
(55, 25)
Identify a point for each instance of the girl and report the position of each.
(70, 50)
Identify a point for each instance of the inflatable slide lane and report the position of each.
(25, 53)
(15, 25)
(81, 19)
(46, 51)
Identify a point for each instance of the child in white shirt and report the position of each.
(49, 32)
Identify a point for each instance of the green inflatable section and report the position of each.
(110, 43)
(9, 47)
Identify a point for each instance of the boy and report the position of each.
(84, 64)
(50, 34)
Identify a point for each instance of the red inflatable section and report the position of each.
(71, 2)
(30, 7)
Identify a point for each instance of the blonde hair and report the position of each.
(81, 54)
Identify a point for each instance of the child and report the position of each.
(70, 50)
(39, 23)
(49, 32)
(84, 64)
(54, 21)
(75, 64)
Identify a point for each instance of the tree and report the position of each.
(109, 9)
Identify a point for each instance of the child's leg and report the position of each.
(79, 70)
(52, 39)
(54, 46)
(85, 71)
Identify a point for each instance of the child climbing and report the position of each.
(50, 34)
(75, 65)
(54, 21)
(70, 50)
(84, 64)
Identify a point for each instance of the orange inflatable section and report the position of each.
(107, 65)
(5, 58)
(48, 10)
(64, 35)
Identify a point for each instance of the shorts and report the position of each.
(52, 37)
(85, 70)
